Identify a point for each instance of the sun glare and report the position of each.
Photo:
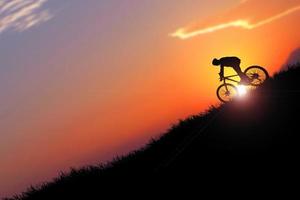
(242, 90)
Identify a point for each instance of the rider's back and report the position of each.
(230, 61)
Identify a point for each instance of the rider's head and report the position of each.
(216, 62)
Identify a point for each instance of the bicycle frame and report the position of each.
(229, 78)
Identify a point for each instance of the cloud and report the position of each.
(188, 32)
(20, 15)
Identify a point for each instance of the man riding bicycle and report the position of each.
(233, 62)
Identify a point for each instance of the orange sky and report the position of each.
(87, 91)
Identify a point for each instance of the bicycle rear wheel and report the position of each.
(226, 92)
(258, 75)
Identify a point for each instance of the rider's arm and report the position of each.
(221, 72)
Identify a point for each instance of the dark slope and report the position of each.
(242, 140)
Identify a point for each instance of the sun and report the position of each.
(242, 90)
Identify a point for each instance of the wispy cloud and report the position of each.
(20, 15)
(186, 33)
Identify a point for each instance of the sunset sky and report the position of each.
(84, 81)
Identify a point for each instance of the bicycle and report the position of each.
(257, 75)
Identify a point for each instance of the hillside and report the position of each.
(242, 140)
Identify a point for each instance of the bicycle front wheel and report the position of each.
(258, 75)
(226, 92)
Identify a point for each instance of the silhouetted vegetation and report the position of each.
(247, 139)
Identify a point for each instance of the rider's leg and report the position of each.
(244, 78)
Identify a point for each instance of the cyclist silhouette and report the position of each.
(233, 62)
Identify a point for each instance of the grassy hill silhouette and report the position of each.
(244, 139)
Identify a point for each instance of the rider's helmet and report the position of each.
(216, 62)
